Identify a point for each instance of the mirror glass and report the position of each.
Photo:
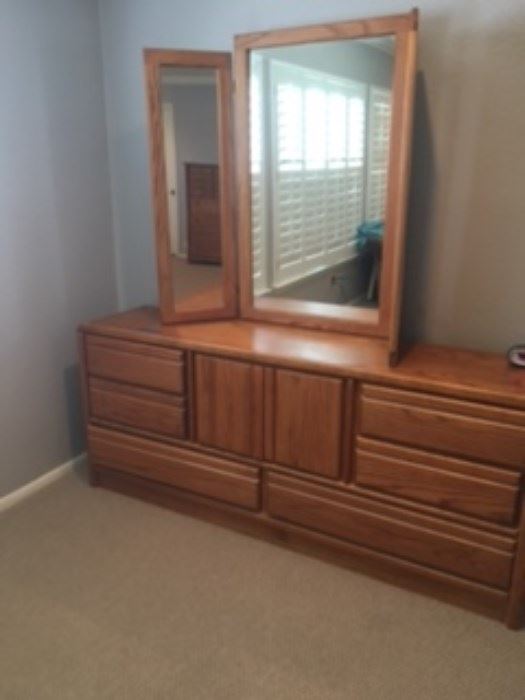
(320, 119)
(189, 109)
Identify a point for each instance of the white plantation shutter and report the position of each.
(257, 164)
(380, 114)
(318, 153)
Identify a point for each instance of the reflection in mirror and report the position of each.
(191, 157)
(320, 133)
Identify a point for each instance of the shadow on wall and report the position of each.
(420, 217)
(488, 298)
(465, 236)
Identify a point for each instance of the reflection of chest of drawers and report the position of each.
(413, 474)
(203, 213)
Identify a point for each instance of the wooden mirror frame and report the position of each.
(384, 321)
(154, 60)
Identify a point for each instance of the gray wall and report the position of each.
(56, 251)
(466, 248)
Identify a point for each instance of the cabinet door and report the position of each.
(308, 419)
(229, 405)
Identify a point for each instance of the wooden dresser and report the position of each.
(412, 473)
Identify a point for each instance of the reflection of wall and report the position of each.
(321, 287)
(195, 109)
(348, 59)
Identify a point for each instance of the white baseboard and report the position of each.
(41, 482)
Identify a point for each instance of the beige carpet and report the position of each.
(106, 597)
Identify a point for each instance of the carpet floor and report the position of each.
(103, 596)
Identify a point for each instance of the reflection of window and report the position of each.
(288, 113)
(318, 146)
(318, 120)
(259, 247)
(324, 139)
(256, 115)
(356, 120)
(379, 109)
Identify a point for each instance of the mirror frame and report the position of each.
(154, 60)
(384, 321)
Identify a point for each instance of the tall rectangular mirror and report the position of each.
(324, 115)
(320, 136)
(190, 141)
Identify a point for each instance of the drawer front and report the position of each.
(216, 478)
(454, 550)
(132, 407)
(448, 483)
(460, 428)
(136, 363)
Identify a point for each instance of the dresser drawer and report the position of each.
(144, 365)
(133, 407)
(461, 428)
(454, 549)
(221, 479)
(455, 485)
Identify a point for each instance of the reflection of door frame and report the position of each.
(170, 160)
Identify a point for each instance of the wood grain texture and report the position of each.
(348, 429)
(409, 507)
(451, 484)
(190, 397)
(515, 615)
(154, 59)
(319, 509)
(393, 254)
(241, 75)
(269, 413)
(458, 428)
(352, 29)
(136, 363)
(307, 422)
(385, 322)
(502, 539)
(133, 407)
(484, 377)
(229, 405)
(209, 476)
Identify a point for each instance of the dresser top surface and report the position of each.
(450, 371)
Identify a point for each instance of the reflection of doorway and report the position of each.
(170, 160)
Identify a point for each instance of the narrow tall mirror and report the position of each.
(324, 118)
(190, 153)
